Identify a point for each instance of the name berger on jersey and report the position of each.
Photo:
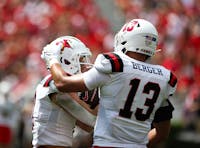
(148, 69)
(157, 71)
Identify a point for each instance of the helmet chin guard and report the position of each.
(72, 53)
(139, 36)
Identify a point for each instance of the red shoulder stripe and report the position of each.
(173, 80)
(46, 84)
(116, 62)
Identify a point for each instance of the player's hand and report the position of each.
(51, 53)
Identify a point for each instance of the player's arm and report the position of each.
(68, 104)
(84, 126)
(84, 120)
(159, 133)
(66, 83)
(75, 83)
(82, 139)
(161, 124)
(82, 103)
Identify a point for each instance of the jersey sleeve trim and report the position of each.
(164, 113)
(47, 82)
(173, 80)
(116, 62)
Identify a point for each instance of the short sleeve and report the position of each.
(172, 83)
(164, 112)
(93, 78)
(109, 62)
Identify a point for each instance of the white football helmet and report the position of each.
(139, 36)
(73, 55)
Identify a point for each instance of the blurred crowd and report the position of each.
(28, 25)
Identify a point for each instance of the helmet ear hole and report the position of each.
(123, 43)
(67, 62)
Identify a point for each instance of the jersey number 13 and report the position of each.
(149, 102)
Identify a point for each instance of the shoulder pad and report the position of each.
(43, 89)
(108, 63)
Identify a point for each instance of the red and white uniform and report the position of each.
(52, 125)
(133, 94)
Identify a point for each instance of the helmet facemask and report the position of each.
(72, 61)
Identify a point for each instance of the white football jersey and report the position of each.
(131, 95)
(51, 124)
(54, 121)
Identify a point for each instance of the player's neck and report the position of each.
(137, 56)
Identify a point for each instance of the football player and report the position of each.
(55, 115)
(134, 94)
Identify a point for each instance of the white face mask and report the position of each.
(85, 64)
